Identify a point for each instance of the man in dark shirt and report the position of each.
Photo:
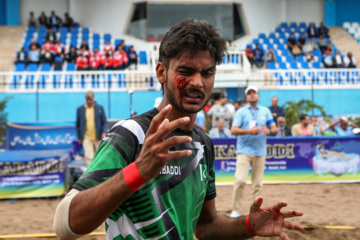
(312, 31)
(276, 110)
(291, 42)
(43, 20)
(323, 30)
(71, 55)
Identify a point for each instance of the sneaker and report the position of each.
(234, 214)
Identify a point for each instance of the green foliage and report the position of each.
(356, 121)
(3, 119)
(293, 110)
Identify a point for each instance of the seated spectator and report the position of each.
(118, 59)
(310, 57)
(322, 30)
(84, 52)
(82, 63)
(71, 56)
(296, 51)
(47, 56)
(318, 130)
(51, 36)
(59, 48)
(95, 60)
(312, 31)
(108, 48)
(304, 128)
(133, 59)
(84, 44)
(259, 56)
(231, 47)
(21, 56)
(322, 44)
(291, 43)
(31, 20)
(270, 56)
(349, 61)
(328, 59)
(338, 60)
(48, 45)
(108, 62)
(343, 127)
(68, 21)
(37, 46)
(33, 55)
(283, 129)
(58, 61)
(314, 43)
(306, 48)
(54, 21)
(250, 56)
(330, 48)
(220, 131)
(302, 40)
(43, 20)
(123, 46)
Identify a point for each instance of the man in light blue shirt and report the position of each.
(250, 126)
(344, 128)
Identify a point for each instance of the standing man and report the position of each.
(304, 128)
(220, 110)
(91, 126)
(153, 176)
(250, 126)
(275, 109)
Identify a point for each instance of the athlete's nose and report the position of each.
(196, 80)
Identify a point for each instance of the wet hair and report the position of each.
(191, 35)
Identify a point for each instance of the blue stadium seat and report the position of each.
(293, 25)
(29, 82)
(266, 41)
(278, 30)
(316, 65)
(63, 30)
(19, 68)
(273, 36)
(282, 65)
(118, 42)
(305, 65)
(85, 31)
(107, 37)
(45, 67)
(283, 25)
(143, 57)
(302, 25)
(271, 65)
(300, 58)
(262, 35)
(69, 79)
(294, 65)
(256, 41)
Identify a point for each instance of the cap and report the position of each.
(251, 88)
(344, 118)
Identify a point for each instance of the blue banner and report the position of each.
(296, 160)
(40, 136)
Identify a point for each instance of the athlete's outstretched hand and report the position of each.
(269, 221)
(155, 152)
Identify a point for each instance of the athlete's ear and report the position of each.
(161, 72)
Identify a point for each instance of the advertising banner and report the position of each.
(33, 173)
(296, 160)
(40, 136)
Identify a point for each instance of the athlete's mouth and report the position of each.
(193, 93)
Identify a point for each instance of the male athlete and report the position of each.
(153, 175)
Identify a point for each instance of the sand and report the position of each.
(322, 204)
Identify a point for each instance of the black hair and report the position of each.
(303, 116)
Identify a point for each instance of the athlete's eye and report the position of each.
(207, 73)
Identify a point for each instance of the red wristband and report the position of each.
(132, 177)
(247, 222)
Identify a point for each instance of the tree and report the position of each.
(3, 119)
(293, 110)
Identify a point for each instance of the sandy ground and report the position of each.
(322, 204)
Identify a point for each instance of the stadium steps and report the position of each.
(345, 42)
(10, 39)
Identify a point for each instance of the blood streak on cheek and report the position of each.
(277, 214)
(180, 84)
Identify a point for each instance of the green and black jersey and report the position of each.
(168, 206)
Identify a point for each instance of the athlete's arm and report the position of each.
(235, 130)
(89, 208)
(267, 221)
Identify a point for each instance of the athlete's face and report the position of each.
(190, 80)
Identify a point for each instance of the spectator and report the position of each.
(220, 131)
(84, 45)
(283, 129)
(34, 55)
(82, 63)
(310, 57)
(328, 59)
(338, 60)
(48, 45)
(54, 21)
(84, 52)
(237, 105)
(304, 128)
(344, 128)
(200, 120)
(108, 62)
(275, 109)
(349, 61)
(270, 56)
(133, 59)
(59, 48)
(323, 30)
(31, 20)
(51, 36)
(231, 107)
(91, 126)
(95, 59)
(231, 47)
(68, 21)
(330, 48)
(123, 46)
(37, 46)
(107, 47)
(43, 21)
(208, 106)
(296, 51)
(291, 43)
(58, 61)
(47, 56)
(220, 110)
(71, 55)
(259, 56)
(21, 56)
(307, 47)
(312, 31)
(302, 40)
(314, 43)
(318, 130)
(250, 56)
(322, 44)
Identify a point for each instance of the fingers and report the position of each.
(294, 213)
(158, 119)
(291, 226)
(283, 236)
(256, 204)
(280, 205)
(167, 127)
(175, 140)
